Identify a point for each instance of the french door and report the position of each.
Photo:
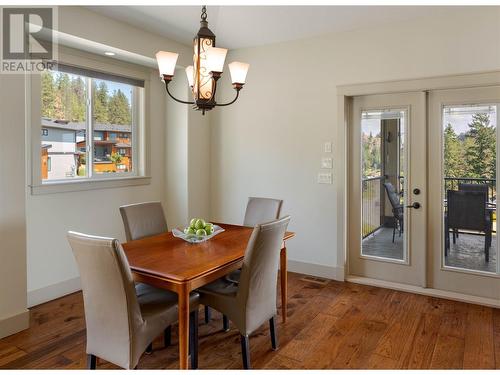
(423, 190)
(463, 142)
(387, 194)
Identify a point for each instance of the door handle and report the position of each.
(415, 205)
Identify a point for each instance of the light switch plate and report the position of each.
(326, 163)
(324, 178)
(328, 147)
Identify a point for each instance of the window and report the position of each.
(80, 146)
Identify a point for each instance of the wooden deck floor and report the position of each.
(337, 325)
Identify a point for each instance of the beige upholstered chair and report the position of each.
(143, 220)
(261, 210)
(121, 321)
(252, 301)
(258, 211)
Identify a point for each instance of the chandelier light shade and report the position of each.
(207, 68)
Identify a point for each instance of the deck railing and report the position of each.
(452, 183)
(372, 196)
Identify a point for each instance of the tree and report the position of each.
(116, 158)
(48, 95)
(454, 165)
(481, 154)
(77, 109)
(63, 85)
(100, 102)
(119, 109)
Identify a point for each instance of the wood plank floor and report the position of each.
(337, 325)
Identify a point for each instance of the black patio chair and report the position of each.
(467, 210)
(397, 208)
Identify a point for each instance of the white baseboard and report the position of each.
(14, 323)
(490, 302)
(319, 270)
(48, 293)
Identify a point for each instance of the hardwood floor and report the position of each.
(337, 325)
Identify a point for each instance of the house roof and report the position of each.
(80, 126)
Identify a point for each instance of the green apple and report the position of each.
(209, 228)
(201, 232)
(189, 230)
(193, 221)
(200, 224)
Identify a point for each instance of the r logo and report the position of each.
(27, 33)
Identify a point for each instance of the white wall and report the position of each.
(13, 313)
(270, 142)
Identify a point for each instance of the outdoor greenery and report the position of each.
(63, 98)
(471, 154)
(372, 163)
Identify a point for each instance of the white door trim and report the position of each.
(344, 99)
(490, 302)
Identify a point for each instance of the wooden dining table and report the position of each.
(171, 263)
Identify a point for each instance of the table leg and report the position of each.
(183, 295)
(284, 282)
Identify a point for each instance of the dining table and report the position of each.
(170, 263)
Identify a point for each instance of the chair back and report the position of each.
(110, 301)
(393, 195)
(474, 187)
(259, 273)
(143, 220)
(466, 210)
(261, 210)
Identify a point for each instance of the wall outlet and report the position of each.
(324, 178)
(328, 147)
(326, 163)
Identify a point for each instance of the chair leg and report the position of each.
(207, 314)
(225, 323)
(454, 236)
(393, 232)
(193, 338)
(149, 349)
(274, 336)
(167, 336)
(91, 361)
(245, 352)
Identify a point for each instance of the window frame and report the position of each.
(140, 142)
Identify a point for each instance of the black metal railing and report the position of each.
(372, 196)
(452, 183)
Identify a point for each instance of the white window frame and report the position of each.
(140, 151)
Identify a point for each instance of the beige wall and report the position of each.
(270, 142)
(13, 313)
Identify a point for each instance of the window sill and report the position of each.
(70, 186)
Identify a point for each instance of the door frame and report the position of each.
(344, 106)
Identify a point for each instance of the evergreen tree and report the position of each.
(77, 100)
(119, 109)
(48, 95)
(63, 84)
(100, 102)
(481, 155)
(454, 165)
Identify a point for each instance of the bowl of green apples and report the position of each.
(197, 231)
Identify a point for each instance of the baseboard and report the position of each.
(14, 323)
(48, 293)
(454, 296)
(319, 270)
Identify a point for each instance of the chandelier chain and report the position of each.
(204, 13)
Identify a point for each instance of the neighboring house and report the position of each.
(64, 146)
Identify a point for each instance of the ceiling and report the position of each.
(248, 26)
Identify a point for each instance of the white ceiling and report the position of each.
(248, 26)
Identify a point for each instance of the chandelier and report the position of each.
(208, 63)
